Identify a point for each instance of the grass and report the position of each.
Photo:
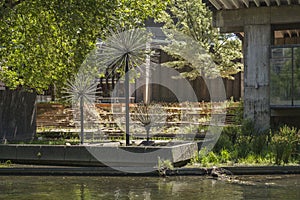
(7, 163)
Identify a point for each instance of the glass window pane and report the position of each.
(281, 53)
(281, 81)
(297, 76)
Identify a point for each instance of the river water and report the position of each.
(136, 188)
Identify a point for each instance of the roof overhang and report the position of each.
(239, 4)
(231, 16)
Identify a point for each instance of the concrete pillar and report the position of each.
(257, 42)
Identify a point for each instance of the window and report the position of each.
(285, 76)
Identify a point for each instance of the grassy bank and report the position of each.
(245, 145)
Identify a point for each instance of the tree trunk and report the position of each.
(53, 91)
(17, 115)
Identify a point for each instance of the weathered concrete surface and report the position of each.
(264, 170)
(235, 20)
(17, 115)
(137, 159)
(257, 23)
(257, 41)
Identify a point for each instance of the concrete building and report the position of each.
(271, 36)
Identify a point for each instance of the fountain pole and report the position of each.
(81, 120)
(146, 100)
(127, 99)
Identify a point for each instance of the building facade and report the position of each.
(271, 36)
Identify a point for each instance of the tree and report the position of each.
(46, 41)
(193, 18)
(43, 43)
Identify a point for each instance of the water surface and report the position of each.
(82, 187)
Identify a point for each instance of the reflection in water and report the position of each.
(148, 188)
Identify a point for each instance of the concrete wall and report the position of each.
(199, 86)
(257, 41)
(98, 155)
(257, 25)
(17, 115)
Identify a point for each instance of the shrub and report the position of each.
(223, 142)
(248, 128)
(296, 155)
(199, 155)
(246, 144)
(249, 159)
(284, 143)
(227, 138)
(212, 158)
(205, 159)
(232, 131)
(250, 140)
(238, 113)
(224, 156)
(243, 146)
(260, 142)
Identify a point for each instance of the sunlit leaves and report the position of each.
(45, 42)
(195, 20)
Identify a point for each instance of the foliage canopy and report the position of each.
(45, 42)
(193, 18)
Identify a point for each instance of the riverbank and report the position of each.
(43, 170)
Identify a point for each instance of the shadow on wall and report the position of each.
(17, 115)
(285, 120)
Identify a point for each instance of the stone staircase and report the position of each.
(180, 121)
(54, 115)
